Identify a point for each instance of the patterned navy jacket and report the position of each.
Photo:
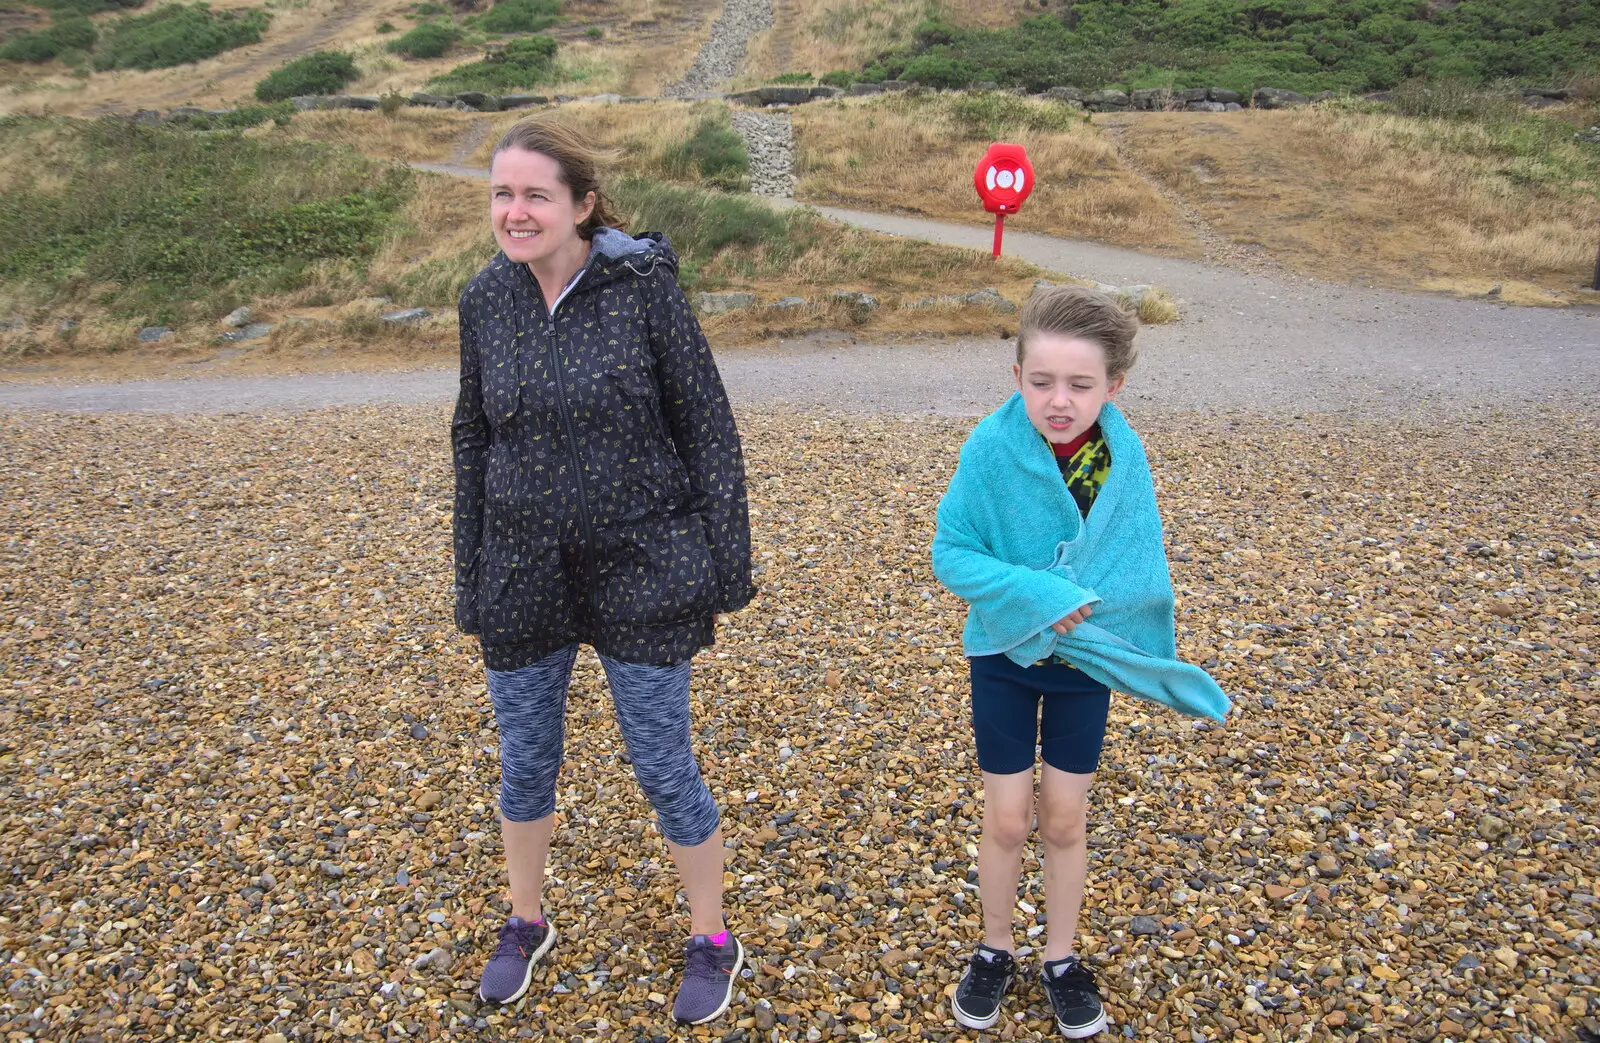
(600, 490)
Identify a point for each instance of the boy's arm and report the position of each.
(1029, 599)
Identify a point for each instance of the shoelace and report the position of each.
(989, 973)
(702, 958)
(1075, 979)
(518, 941)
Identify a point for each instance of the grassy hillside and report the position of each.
(1306, 45)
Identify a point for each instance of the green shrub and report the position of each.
(991, 115)
(178, 35)
(840, 78)
(594, 32)
(429, 10)
(195, 215)
(1244, 44)
(519, 16)
(386, 27)
(793, 77)
(428, 40)
(88, 7)
(932, 70)
(524, 62)
(715, 151)
(69, 34)
(320, 72)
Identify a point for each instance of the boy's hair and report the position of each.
(578, 158)
(1077, 311)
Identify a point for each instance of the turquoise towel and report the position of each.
(1012, 544)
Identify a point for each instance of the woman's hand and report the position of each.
(1066, 626)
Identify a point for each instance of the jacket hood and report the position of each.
(615, 254)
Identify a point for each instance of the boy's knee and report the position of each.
(1008, 827)
(1063, 827)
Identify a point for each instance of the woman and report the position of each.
(600, 499)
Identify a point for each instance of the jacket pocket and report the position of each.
(524, 591)
(655, 572)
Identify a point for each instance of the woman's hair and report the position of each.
(1085, 314)
(578, 160)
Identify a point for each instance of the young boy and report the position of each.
(1051, 521)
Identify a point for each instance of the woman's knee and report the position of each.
(1008, 825)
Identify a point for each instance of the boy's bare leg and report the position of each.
(527, 851)
(1007, 821)
(1063, 826)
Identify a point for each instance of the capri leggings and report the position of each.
(652, 706)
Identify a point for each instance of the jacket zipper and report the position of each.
(566, 425)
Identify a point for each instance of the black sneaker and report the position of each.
(1072, 991)
(977, 1000)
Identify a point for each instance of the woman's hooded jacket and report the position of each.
(600, 491)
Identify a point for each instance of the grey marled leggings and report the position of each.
(652, 705)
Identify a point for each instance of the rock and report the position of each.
(722, 303)
(1146, 99)
(407, 317)
(147, 117)
(1206, 106)
(1378, 96)
(1232, 106)
(824, 91)
(857, 90)
(1041, 284)
(786, 303)
(1223, 95)
(254, 331)
(1553, 93)
(1188, 94)
(1067, 94)
(305, 102)
(1276, 98)
(151, 334)
(1492, 828)
(523, 101)
(429, 799)
(601, 99)
(769, 142)
(1277, 892)
(634, 99)
(985, 85)
(1539, 101)
(993, 300)
(1468, 962)
(478, 101)
(13, 323)
(1144, 925)
(331, 871)
(862, 302)
(183, 113)
(1106, 101)
(723, 53)
(429, 100)
(237, 317)
(1318, 813)
(364, 102)
(419, 730)
(66, 325)
(1507, 957)
(783, 95)
(898, 85)
(1328, 867)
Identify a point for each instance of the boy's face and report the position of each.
(1063, 383)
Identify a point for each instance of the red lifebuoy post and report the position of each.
(1003, 178)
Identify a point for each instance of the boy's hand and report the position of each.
(1066, 625)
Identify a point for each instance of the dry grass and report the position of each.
(411, 134)
(1385, 199)
(913, 154)
(819, 36)
(639, 133)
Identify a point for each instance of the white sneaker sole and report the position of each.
(1095, 1027)
(733, 977)
(527, 976)
(971, 1022)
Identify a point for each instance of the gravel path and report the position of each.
(723, 54)
(769, 139)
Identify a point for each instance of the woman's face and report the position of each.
(532, 211)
